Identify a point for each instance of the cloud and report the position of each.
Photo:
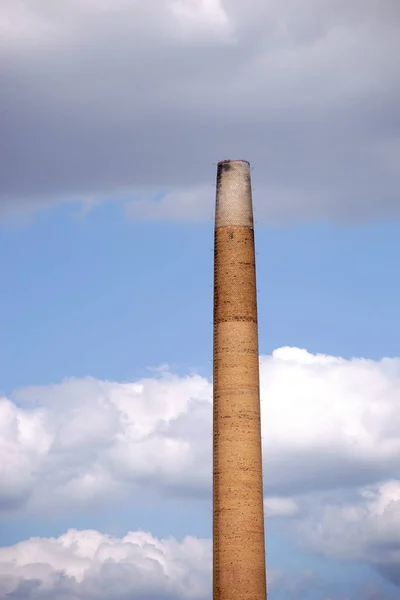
(116, 98)
(364, 528)
(330, 444)
(328, 422)
(91, 565)
(84, 436)
(280, 507)
(190, 204)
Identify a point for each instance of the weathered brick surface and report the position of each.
(238, 519)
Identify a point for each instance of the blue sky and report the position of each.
(110, 298)
(114, 114)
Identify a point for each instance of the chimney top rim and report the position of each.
(233, 160)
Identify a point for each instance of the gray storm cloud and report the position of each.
(120, 99)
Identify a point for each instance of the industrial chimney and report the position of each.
(238, 514)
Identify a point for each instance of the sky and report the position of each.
(113, 116)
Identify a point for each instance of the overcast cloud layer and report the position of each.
(114, 98)
(331, 447)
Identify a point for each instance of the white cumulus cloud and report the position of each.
(331, 442)
(91, 565)
(327, 422)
